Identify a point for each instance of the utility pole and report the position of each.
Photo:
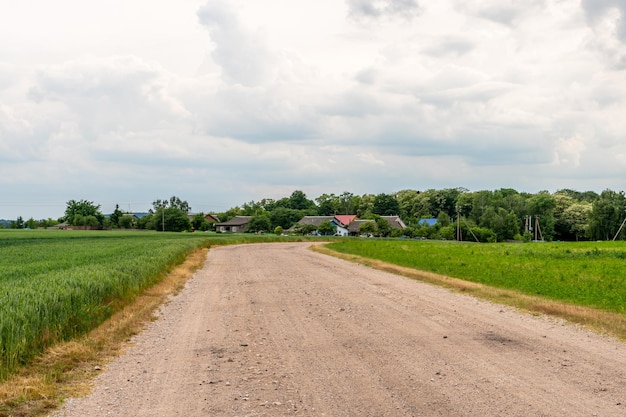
(537, 229)
(459, 237)
(528, 227)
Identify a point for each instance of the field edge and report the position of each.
(68, 369)
(599, 321)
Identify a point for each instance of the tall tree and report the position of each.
(385, 205)
(260, 223)
(543, 205)
(299, 201)
(116, 215)
(327, 204)
(77, 210)
(576, 217)
(347, 203)
(607, 214)
(170, 215)
(285, 217)
(173, 202)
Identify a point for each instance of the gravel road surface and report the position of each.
(279, 330)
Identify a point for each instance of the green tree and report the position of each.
(126, 221)
(607, 214)
(91, 221)
(77, 211)
(447, 232)
(252, 209)
(147, 222)
(408, 204)
(504, 224)
(347, 203)
(443, 219)
(482, 234)
(368, 228)
(385, 205)
(230, 213)
(285, 217)
(199, 222)
(305, 229)
(168, 215)
(327, 204)
(115, 216)
(365, 205)
(576, 217)
(173, 202)
(170, 219)
(19, 223)
(326, 228)
(278, 230)
(259, 223)
(49, 222)
(543, 205)
(31, 223)
(562, 230)
(383, 227)
(299, 201)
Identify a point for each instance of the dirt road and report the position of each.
(278, 330)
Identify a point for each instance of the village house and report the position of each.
(394, 221)
(237, 224)
(340, 222)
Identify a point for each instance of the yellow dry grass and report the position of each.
(611, 324)
(67, 369)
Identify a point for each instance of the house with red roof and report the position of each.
(340, 221)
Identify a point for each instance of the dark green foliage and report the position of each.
(304, 230)
(386, 205)
(285, 217)
(260, 223)
(115, 216)
(383, 227)
(199, 222)
(326, 229)
(368, 228)
(82, 213)
(607, 215)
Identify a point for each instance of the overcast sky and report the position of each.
(221, 102)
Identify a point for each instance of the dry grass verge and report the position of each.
(611, 324)
(67, 369)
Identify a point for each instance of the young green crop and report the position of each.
(586, 273)
(55, 285)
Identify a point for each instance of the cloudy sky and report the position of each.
(220, 102)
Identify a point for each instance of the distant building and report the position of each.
(340, 222)
(237, 224)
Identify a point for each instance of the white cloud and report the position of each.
(360, 9)
(569, 151)
(370, 159)
(243, 100)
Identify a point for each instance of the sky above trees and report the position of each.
(223, 102)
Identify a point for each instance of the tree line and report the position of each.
(497, 215)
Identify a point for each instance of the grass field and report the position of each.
(591, 274)
(55, 285)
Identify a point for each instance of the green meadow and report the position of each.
(56, 285)
(591, 274)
